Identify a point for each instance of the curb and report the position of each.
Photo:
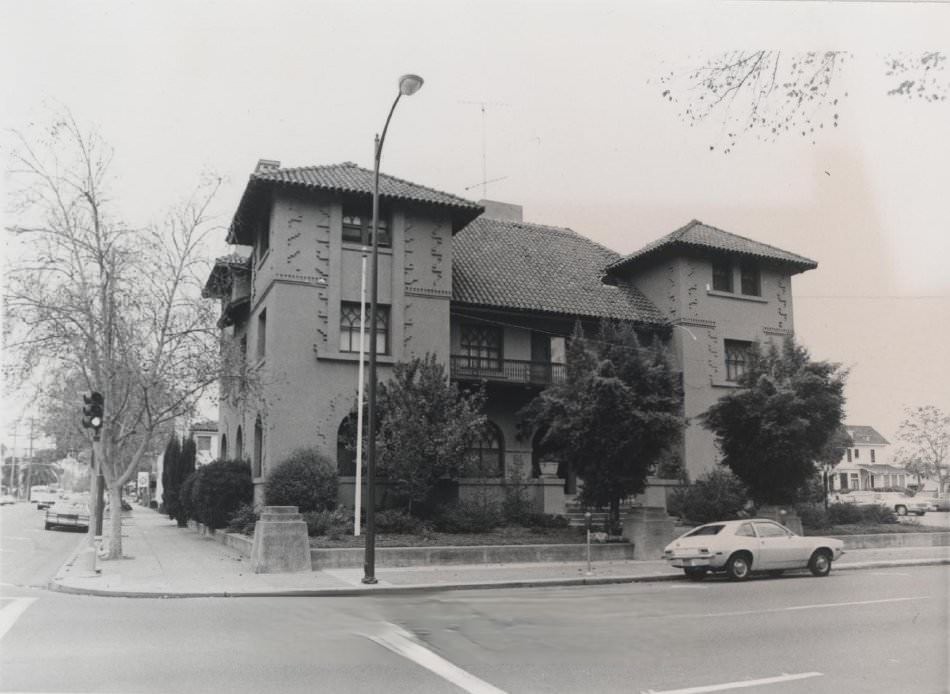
(357, 591)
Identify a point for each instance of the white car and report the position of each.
(900, 503)
(740, 547)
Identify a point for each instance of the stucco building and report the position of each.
(493, 297)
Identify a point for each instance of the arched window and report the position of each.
(256, 467)
(486, 457)
(224, 447)
(346, 447)
(239, 445)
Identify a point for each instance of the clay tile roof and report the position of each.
(864, 434)
(516, 265)
(204, 425)
(348, 178)
(699, 236)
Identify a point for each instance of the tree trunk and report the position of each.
(115, 522)
(613, 527)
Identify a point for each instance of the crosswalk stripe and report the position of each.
(11, 612)
(401, 642)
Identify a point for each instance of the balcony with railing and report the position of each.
(516, 371)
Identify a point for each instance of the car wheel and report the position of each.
(695, 574)
(739, 566)
(901, 510)
(820, 563)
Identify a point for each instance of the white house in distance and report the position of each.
(866, 464)
(208, 448)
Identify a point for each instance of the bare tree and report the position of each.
(767, 94)
(925, 443)
(113, 306)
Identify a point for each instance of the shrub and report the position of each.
(515, 507)
(875, 513)
(546, 520)
(812, 515)
(335, 523)
(186, 497)
(220, 488)
(468, 517)
(306, 479)
(844, 514)
(394, 521)
(243, 520)
(717, 495)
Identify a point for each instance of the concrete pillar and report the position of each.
(650, 529)
(280, 544)
(787, 516)
(552, 489)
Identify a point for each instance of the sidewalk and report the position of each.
(166, 561)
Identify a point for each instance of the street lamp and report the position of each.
(408, 85)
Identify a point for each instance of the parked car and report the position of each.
(67, 514)
(901, 503)
(740, 547)
(937, 501)
(6, 499)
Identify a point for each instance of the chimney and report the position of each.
(503, 211)
(266, 165)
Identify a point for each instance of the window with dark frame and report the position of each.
(358, 227)
(258, 469)
(722, 276)
(482, 345)
(849, 454)
(486, 457)
(872, 455)
(738, 354)
(350, 328)
(262, 334)
(751, 280)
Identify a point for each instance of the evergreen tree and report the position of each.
(617, 414)
(171, 481)
(774, 430)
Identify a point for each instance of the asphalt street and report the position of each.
(857, 631)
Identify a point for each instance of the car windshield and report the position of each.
(705, 530)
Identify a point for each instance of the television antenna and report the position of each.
(483, 105)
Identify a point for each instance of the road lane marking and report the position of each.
(742, 684)
(794, 608)
(401, 642)
(11, 612)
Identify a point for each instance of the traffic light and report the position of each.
(92, 411)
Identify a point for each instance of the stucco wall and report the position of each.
(682, 288)
(305, 386)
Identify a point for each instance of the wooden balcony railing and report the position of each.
(542, 373)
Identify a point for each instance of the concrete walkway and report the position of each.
(163, 560)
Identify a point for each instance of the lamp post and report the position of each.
(408, 85)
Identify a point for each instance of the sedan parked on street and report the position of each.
(67, 514)
(740, 547)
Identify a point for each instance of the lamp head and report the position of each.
(409, 84)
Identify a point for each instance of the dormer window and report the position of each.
(358, 227)
(751, 281)
(722, 277)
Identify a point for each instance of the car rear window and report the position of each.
(705, 530)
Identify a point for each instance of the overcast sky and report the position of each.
(574, 130)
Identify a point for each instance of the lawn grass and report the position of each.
(501, 536)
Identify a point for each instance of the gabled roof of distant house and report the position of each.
(865, 435)
(345, 178)
(697, 236)
(531, 267)
(222, 275)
